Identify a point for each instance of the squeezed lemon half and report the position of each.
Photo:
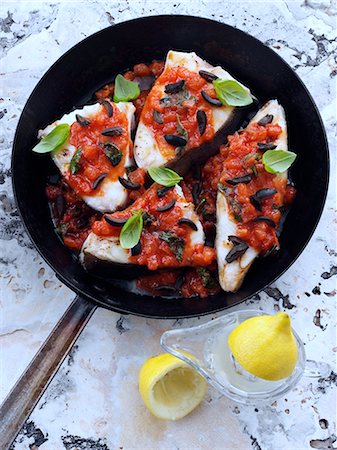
(265, 346)
(169, 387)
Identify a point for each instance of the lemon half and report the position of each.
(265, 346)
(169, 387)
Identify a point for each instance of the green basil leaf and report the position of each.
(230, 92)
(74, 165)
(53, 140)
(278, 161)
(131, 231)
(164, 176)
(125, 90)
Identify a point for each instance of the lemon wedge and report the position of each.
(265, 346)
(169, 387)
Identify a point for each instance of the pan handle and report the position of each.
(21, 400)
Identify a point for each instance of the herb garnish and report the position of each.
(125, 90)
(164, 176)
(176, 243)
(180, 129)
(207, 280)
(131, 231)
(232, 93)
(74, 165)
(53, 140)
(278, 161)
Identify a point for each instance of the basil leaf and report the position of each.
(278, 161)
(131, 230)
(176, 243)
(74, 165)
(207, 280)
(180, 129)
(164, 176)
(125, 90)
(230, 92)
(53, 140)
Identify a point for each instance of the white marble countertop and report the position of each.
(93, 401)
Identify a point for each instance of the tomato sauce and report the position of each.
(180, 107)
(239, 157)
(72, 217)
(156, 252)
(93, 159)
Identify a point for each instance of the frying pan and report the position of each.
(70, 83)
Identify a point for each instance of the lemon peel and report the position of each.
(265, 346)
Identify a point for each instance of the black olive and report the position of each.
(208, 76)
(212, 101)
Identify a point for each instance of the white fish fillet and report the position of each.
(232, 274)
(111, 194)
(109, 249)
(146, 150)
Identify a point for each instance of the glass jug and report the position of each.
(205, 348)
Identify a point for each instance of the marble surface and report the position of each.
(93, 402)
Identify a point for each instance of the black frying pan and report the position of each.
(70, 83)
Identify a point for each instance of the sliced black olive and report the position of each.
(208, 76)
(128, 184)
(173, 88)
(157, 117)
(236, 240)
(237, 180)
(212, 101)
(113, 153)
(165, 101)
(239, 248)
(259, 195)
(113, 131)
(98, 180)
(255, 203)
(82, 120)
(265, 120)
(264, 147)
(236, 252)
(176, 141)
(167, 207)
(114, 221)
(202, 121)
(148, 219)
(137, 249)
(188, 222)
(108, 106)
(265, 219)
(164, 190)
